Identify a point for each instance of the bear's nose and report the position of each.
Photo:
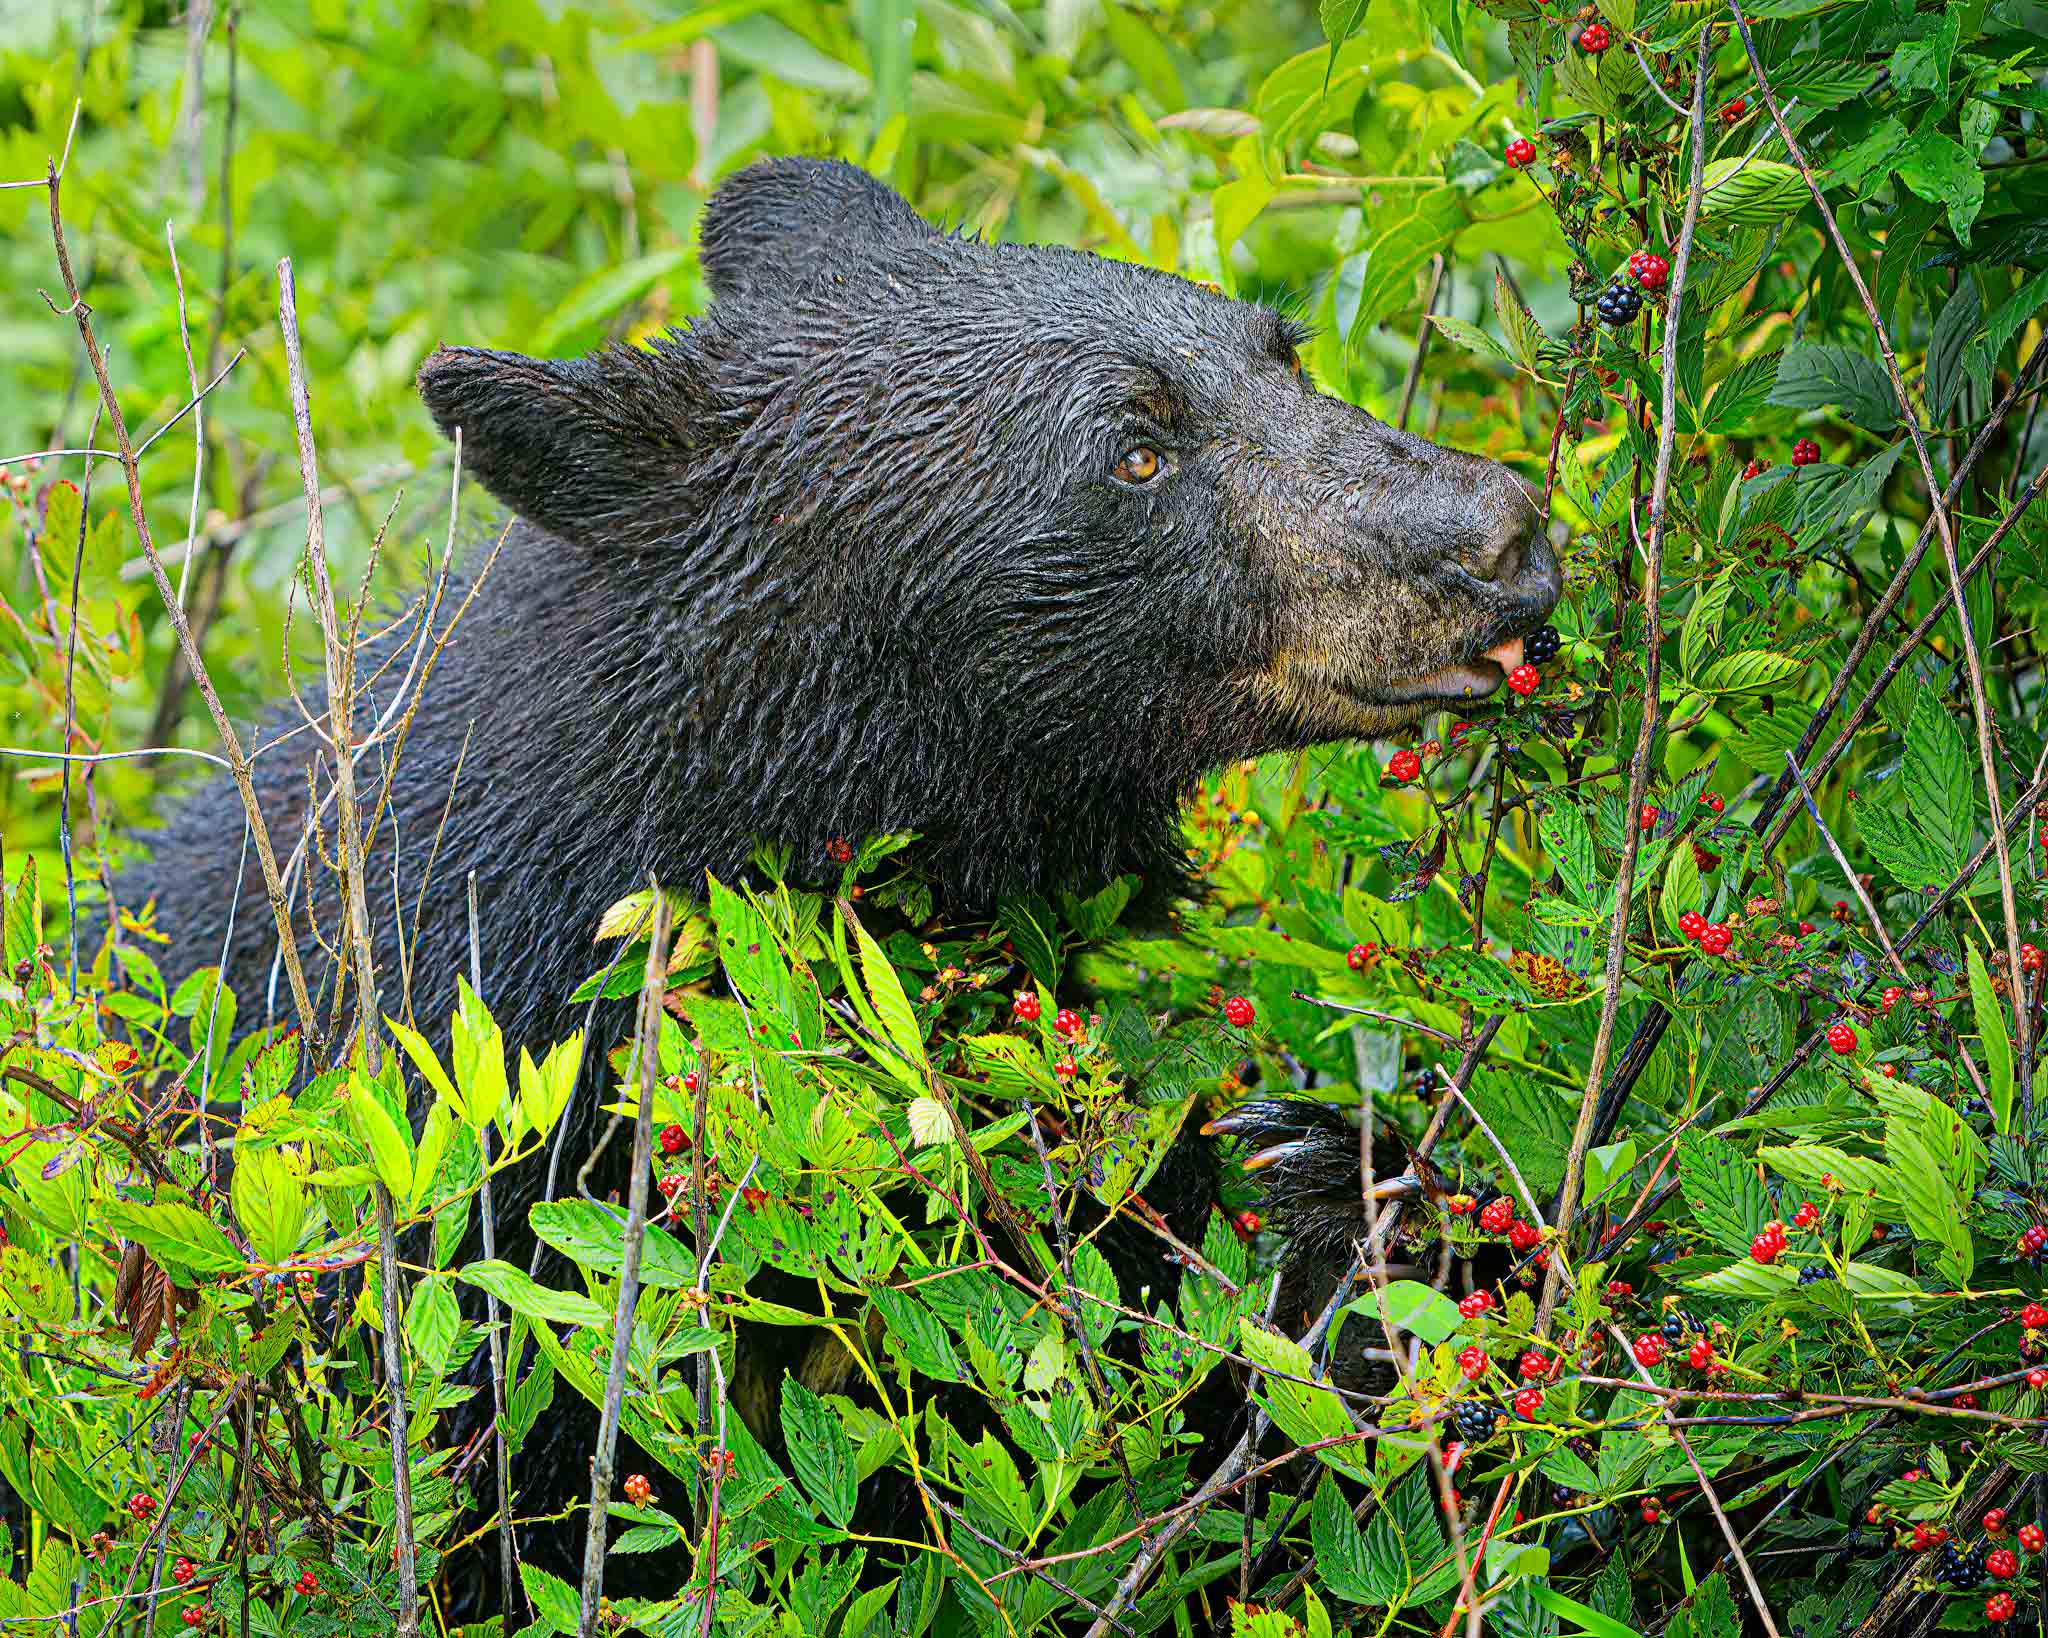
(1511, 546)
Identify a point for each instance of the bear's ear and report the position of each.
(568, 444)
(777, 220)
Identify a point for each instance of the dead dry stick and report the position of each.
(649, 1048)
(1646, 733)
(362, 958)
(1980, 704)
(508, 1553)
(238, 763)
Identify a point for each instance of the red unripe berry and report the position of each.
(1068, 1022)
(671, 1185)
(2031, 958)
(1892, 996)
(1403, 766)
(1999, 1607)
(1246, 1223)
(2034, 1316)
(1735, 110)
(1535, 1365)
(672, 1139)
(1805, 452)
(1653, 273)
(1807, 1215)
(1994, 1522)
(194, 1615)
(1692, 924)
(1594, 38)
(1361, 956)
(1764, 1248)
(1459, 1204)
(1841, 1040)
(1525, 679)
(1497, 1214)
(2003, 1564)
(1874, 1514)
(1239, 1012)
(1649, 1349)
(1652, 1512)
(1024, 1007)
(2037, 1379)
(1472, 1362)
(1647, 819)
(1065, 1069)
(1528, 1402)
(1700, 1355)
(1713, 802)
(1620, 1288)
(1475, 1305)
(1521, 153)
(638, 1491)
(1715, 939)
(183, 1571)
(2033, 1240)
(2030, 1537)
(1523, 1236)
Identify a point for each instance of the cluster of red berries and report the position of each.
(1528, 1402)
(1536, 1365)
(1594, 38)
(1068, 1022)
(1472, 1363)
(1521, 154)
(1841, 1039)
(1403, 766)
(2034, 1317)
(1238, 1012)
(673, 1140)
(2031, 959)
(1476, 1304)
(194, 1615)
(1755, 468)
(1768, 1246)
(1245, 1224)
(184, 1570)
(1361, 956)
(1805, 453)
(638, 1491)
(309, 1584)
(141, 1505)
(2032, 1241)
(1713, 937)
(1649, 269)
(1525, 680)
(1734, 110)
(1649, 1349)
(1024, 1007)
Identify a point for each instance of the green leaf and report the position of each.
(988, 1473)
(1341, 19)
(1728, 1200)
(1960, 318)
(1703, 621)
(819, 1451)
(1741, 192)
(1401, 242)
(1753, 671)
(1742, 392)
(594, 1237)
(1468, 336)
(389, 1143)
(552, 1598)
(1991, 1030)
(1344, 1566)
(1940, 778)
(1029, 922)
(512, 1287)
(180, 1237)
(1818, 375)
(269, 1197)
(1936, 168)
(431, 1319)
(1305, 1413)
(1415, 1307)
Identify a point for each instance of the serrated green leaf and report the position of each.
(1989, 1014)
(818, 1451)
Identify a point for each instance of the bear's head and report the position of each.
(1003, 544)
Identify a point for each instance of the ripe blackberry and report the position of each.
(1815, 1271)
(1475, 1422)
(1542, 645)
(1618, 304)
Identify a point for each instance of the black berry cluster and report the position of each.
(1965, 1570)
(1475, 1422)
(1543, 645)
(1618, 304)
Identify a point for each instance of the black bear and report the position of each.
(1004, 545)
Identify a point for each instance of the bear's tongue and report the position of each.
(1507, 655)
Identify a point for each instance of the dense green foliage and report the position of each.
(1851, 1024)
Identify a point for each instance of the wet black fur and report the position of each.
(849, 555)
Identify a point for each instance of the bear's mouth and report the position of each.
(1467, 680)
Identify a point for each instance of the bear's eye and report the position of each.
(1140, 465)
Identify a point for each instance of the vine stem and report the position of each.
(1944, 528)
(1646, 733)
